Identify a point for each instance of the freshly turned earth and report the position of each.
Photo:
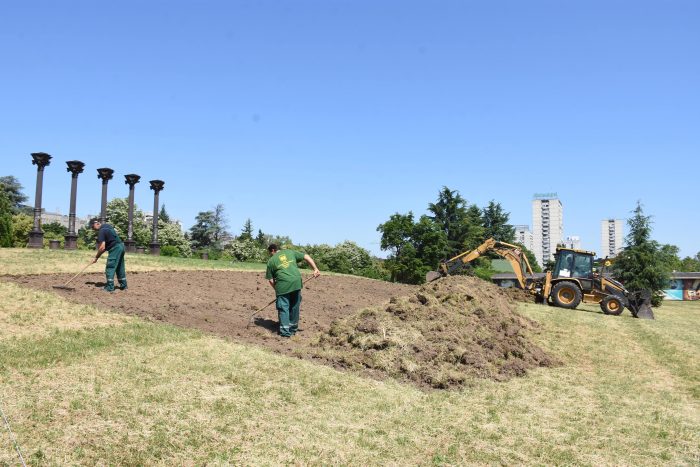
(438, 335)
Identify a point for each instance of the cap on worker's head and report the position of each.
(272, 248)
(93, 221)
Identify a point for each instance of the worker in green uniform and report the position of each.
(108, 240)
(285, 278)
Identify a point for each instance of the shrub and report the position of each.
(22, 224)
(245, 250)
(169, 250)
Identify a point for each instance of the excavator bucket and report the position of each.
(639, 304)
(432, 275)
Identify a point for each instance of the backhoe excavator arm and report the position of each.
(512, 253)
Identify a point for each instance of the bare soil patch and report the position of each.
(222, 302)
(438, 335)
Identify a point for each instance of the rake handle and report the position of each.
(79, 273)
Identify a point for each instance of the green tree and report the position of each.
(460, 221)
(260, 238)
(170, 235)
(13, 189)
(163, 215)
(396, 233)
(415, 247)
(691, 264)
(642, 264)
(348, 258)
(54, 230)
(669, 256)
(22, 224)
(245, 250)
(118, 217)
(495, 222)
(202, 232)
(430, 243)
(87, 238)
(209, 229)
(246, 231)
(280, 240)
(6, 228)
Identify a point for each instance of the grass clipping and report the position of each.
(448, 332)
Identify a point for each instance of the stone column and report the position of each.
(157, 187)
(71, 239)
(131, 180)
(36, 236)
(106, 175)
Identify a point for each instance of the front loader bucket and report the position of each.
(432, 275)
(639, 304)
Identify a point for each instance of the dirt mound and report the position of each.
(440, 336)
(519, 295)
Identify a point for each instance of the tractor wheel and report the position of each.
(566, 295)
(612, 305)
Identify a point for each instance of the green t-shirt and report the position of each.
(282, 267)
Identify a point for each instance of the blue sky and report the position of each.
(319, 119)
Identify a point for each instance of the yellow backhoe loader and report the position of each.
(572, 281)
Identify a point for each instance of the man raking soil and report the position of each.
(108, 240)
(284, 276)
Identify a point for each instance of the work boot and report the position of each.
(122, 285)
(109, 287)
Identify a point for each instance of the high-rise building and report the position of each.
(572, 241)
(611, 237)
(524, 236)
(547, 225)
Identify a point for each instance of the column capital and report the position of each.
(105, 174)
(75, 167)
(41, 159)
(132, 179)
(157, 185)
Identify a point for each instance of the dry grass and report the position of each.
(18, 261)
(25, 312)
(91, 391)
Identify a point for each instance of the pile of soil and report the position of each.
(440, 336)
(519, 295)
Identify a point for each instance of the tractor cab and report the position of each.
(573, 264)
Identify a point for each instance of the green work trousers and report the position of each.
(288, 312)
(115, 264)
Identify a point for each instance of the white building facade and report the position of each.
(611, 237)
(547, 226)
(523, 235)
(573, 242)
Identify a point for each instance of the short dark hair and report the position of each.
(272, 247)
(93, 221)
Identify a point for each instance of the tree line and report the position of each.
(452, 226)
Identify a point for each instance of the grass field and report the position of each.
(83, 385)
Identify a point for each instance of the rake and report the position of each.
(250, 320)
(65, 286)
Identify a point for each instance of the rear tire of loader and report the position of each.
(566, 295)
(612, 305)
